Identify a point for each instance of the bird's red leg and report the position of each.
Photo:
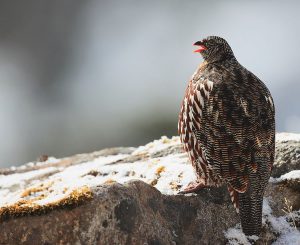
(194, 186)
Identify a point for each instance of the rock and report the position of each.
(77, 200)
(287, 157)
(135, 213)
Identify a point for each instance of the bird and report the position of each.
(227, 128)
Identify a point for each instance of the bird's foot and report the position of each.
(193, 187)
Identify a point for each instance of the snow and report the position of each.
(284, 137)
(235, 236)
(292, 237)
(292, 175)
(168, 174)
(7, 181)
(157, 145)
(295, 174)
(287, 233)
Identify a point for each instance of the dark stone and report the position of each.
(154, 241)
(153, 204)
(126, 213)
(105, 223)
(188, 212)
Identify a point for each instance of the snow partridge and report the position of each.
(227, 127)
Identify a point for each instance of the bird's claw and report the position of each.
(193, 187)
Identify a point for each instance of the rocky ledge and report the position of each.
(129, 196)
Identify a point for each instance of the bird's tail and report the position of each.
(250, 208)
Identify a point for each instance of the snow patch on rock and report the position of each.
(168, 174)
(284, 137)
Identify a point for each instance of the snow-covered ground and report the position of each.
(167, 173)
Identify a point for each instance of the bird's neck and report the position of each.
(206, 66)
(218, 60)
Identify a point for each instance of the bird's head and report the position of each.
(214, 49)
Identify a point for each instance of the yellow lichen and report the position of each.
(30, 191)
(34, 190)
(109, 182)
(27, 207)
(175, 186)
(160, 170)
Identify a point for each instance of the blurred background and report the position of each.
(77, 76)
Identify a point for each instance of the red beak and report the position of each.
(202, 47)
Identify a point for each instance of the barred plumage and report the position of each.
(227, 127)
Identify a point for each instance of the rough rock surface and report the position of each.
(34, 210)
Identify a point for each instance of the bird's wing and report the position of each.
(237, 131)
